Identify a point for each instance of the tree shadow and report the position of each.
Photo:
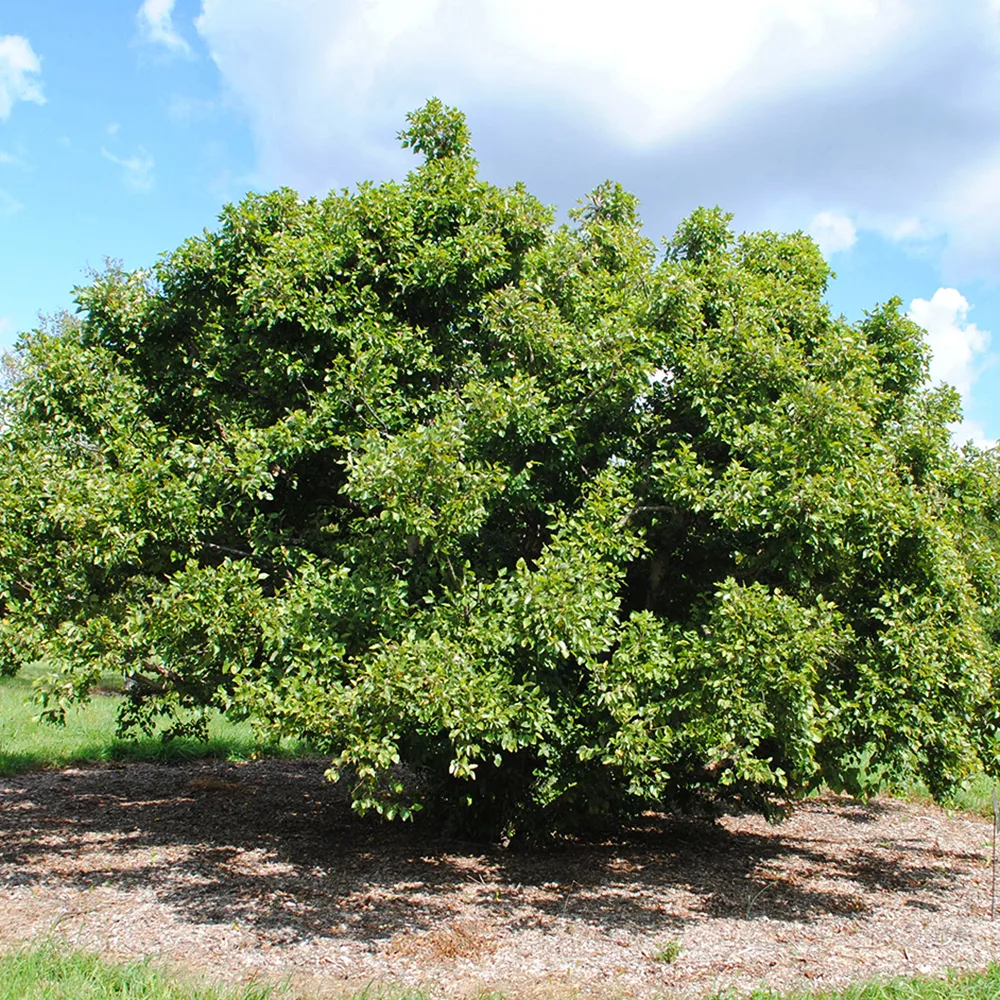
(272, 846)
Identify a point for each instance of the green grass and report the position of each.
(983, 985)
(89, 734)
(667, 952)
(974, 796)
(51, 972)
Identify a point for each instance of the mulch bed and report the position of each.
(261, 870)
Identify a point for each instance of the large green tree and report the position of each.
(566, 526)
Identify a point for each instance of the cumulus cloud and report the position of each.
(957, 346)
(909, 228)
(650, 74)
(833, 232)
(969, 208)
(645, 71)
(958, 350)
(971, 430)
(776, 109)
(137, 169)
(20, 72)
(156, 26)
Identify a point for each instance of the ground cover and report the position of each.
(256, 870)
(259, 871)
(49, 971)
(52, 971)
(89, 733)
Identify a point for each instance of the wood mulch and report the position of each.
(261, 871)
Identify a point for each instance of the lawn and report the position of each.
(974, 796)
(89, 734)
(50, 971)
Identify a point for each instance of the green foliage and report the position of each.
(437, 132)
(564, 528)
(668, 952)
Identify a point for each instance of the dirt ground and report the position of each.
(260, 870)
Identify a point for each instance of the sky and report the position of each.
(874, 125)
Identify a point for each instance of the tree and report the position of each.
(567, 527)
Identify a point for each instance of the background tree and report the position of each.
(569, 528)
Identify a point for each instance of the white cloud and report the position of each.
(654, 70)
(968, 208)
(908, 228)
(9, 205)
(137, 169)
(20, 69)
(112, 128)
(957, 346)
(315, 76)
(775, 109)
(16, 157)
(970, 430)
(958, 351)
(156, 26)
(833, 232)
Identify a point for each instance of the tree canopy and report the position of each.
(536, 524)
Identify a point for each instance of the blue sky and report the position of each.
(873, 124)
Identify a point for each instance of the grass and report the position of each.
(983, 985)
(51, 971)
(974, 796)
(89, 734)
(667, 952)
